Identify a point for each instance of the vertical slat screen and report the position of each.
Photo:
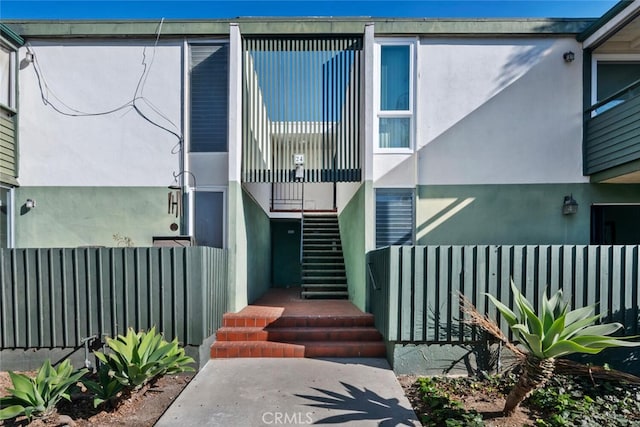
(52, 298)
(413, 290)
(301, 96)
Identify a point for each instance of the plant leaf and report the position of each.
(11, 412)
(606, 329)
(506, 312)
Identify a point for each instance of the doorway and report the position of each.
(615, 224)
(285, 253)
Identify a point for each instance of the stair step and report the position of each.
(298, 349)
(324, 287)
(344, 349)
(325, 294)
(292, 335)
(286, 321)
(323, 264)
(225, 349)
(327, 271)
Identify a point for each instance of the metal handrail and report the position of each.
(613, 97)
(302, 223)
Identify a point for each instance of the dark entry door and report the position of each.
(615, 224)
(285, 250)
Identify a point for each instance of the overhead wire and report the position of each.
(46, 92)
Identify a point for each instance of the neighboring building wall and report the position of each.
(94, 174)
(497, 143)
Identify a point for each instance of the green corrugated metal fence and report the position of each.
(52, 298)
(413, 290)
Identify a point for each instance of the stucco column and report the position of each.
(369, 202)
(236, 226)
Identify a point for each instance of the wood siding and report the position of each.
(612, 138)
(8, 152)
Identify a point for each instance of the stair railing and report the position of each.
(301, 227)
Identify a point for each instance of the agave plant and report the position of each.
(39, 396)
(137, 358)
(105, 389)
(556, 332)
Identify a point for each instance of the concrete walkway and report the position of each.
(292, 392)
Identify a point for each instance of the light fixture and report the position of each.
(28, 57)
(175, 186)
(30, 203)
(569, 206)
(569, 56)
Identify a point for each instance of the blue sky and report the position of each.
(123, 9)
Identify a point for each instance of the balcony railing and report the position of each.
(612, 130)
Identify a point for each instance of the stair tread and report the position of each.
(324, 294)
(296, 328)
(333, 271)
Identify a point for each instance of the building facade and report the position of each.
(443, 132)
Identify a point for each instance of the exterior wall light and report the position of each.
(569, 206)
(569, 57)
(30, 204)
(175, 200)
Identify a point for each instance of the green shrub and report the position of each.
(137, 358)
(443, 409)
(39, 396)
(105, 389)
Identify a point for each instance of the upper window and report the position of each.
(395, 103)
(612, 74)
(209, 65)
(7, 77)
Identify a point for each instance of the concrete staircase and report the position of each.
(323, 271)
(282, 324)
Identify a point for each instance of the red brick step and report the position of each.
(290, 334)
(282, 324)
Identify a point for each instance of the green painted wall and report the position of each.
(511, 214)
(237, 242)
(249, 247)
(82, 216)
(352, 234)
(258, 259)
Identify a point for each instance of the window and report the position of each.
(395, 103)
(5, 217)
(394, 216)
(209, 65)
(7, 77)
(209, 218)
(611, 74)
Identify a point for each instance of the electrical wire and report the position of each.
(59, 106)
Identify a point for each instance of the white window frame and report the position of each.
(606, 57)
(13, 75)
(378, 113)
